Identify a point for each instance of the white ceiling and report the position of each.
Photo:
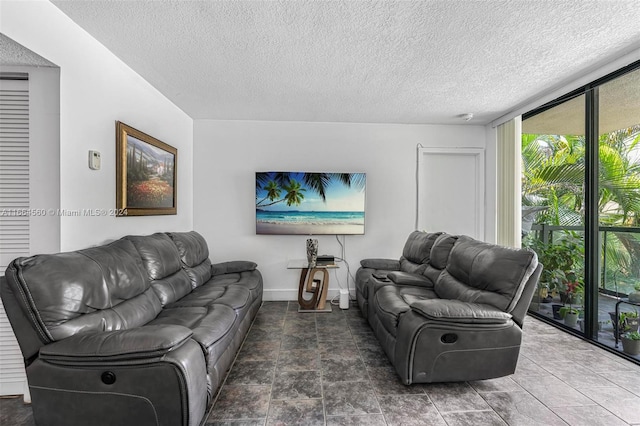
(359, 61)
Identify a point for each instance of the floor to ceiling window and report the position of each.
(581, 198)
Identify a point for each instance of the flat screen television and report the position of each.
(307, 203)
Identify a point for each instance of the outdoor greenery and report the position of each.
(632, 335)
(554, 176)
(560, 259)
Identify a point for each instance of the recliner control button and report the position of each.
(449, 338)
(108, 378)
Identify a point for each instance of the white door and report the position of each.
(451, 191)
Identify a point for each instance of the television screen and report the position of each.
(304, 203)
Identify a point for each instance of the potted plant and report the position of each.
(627, 321)
(631, 342)
(559, 259)
(570, 314)
(630, 321)
(571, 317)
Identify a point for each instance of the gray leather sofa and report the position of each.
(451, 308)
(136, 332)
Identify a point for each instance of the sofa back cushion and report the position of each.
(90, 290)
(486, 273)
(194, 256)
(161, 261)
(417, 251)
(439, 256)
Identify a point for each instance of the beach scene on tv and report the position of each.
(310, 203)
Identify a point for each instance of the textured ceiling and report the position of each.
(14, 54)
(359, 61)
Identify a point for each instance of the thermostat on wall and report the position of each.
(94, 160)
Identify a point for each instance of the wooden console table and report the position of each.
(310, 284)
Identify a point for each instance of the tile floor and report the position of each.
(328, 369)
(606, 305)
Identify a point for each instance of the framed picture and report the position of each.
(145, 174)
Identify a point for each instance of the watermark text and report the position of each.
(62, 212)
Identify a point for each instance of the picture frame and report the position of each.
(146, 174)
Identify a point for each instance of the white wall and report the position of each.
(44, 144)
(96, 89)
(228, 153)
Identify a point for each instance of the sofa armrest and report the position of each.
(233, 266)
(152, 375)
(407, 278)
(144, 342)
(460, 312)
(386, 264)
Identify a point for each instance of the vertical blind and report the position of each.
(14, 215)
(509, 202)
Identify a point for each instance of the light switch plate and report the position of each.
(94, 160)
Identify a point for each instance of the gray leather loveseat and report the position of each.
(451, 308)
(140, 331)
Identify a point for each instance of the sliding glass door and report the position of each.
(581, 206)
(619, 205)
(553, 155)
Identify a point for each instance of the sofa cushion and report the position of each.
(441, 250)
(194, 255)
(486, 273)
(439, 256)
(210, 325)
(80, 291)
(391, 301)
(236, 297)
(133, 312)
(406, 278)
(460, 312)
(201, 296)
(248, 279)
(121, 269)
(159, 254)
(417, 251)
(172, 288)
(162, 263)
(199, 274)
(192, 247)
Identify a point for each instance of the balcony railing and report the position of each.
(616, 279)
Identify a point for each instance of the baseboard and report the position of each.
(281, 295)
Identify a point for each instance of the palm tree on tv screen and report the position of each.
(277, 183)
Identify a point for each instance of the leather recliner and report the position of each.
(460, 318)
